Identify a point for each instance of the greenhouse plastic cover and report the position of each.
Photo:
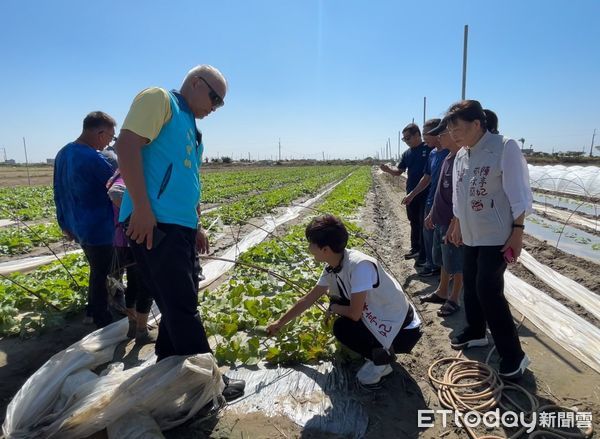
(576, 180)
(562, 284)
(573, 333)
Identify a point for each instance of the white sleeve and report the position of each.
(515, 180)
(322, 282)
(363, 277)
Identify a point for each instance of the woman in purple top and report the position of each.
(137, 299)
(445, 254)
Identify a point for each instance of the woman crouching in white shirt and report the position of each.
(375, 318)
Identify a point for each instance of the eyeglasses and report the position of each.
(113, 138)
(215, 99)
(407, 138)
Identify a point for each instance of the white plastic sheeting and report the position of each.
(215, 269)
(568, 217)
(27, 264)
(562, 284)
(170, 392)
(7, 222)
(576, 180)
(573, 333)
(315, 397)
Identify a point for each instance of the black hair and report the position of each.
(467, 110)
(491, 121)
(411, 128)
(98, 119)
(327, 230)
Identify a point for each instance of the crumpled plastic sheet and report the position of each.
(562, 284)
(61, 400)
(215, 269)
(575, 334)
(27, 264)
(314, 397)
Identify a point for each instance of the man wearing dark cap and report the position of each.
(428, 185)
(413, 161)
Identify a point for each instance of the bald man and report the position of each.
(160, 153)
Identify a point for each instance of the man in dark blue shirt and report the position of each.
(428, 183)
(413, 161)
(83, 209)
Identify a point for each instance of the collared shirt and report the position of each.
(413, 161)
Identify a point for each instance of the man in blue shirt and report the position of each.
(413, 161)
(83, 209)
(428, 184)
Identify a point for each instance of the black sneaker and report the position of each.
(233, 388)
(432, 298)
(429, 272)
(420, 264)
(513, 369)
(466, 341)
(411, 254)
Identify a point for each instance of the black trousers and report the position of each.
(136, 295)
(100, 259)
(483, 283)
(170, 273)
(415, 212)
(356, 336)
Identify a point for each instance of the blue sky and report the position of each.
(331, 76)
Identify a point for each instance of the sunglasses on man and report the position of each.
(215, 100)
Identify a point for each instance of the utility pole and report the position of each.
(592, 145)
(464, 73)
(424, 109)
(280, 149)
(26, 162)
